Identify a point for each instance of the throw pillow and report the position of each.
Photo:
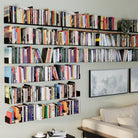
(110, 114)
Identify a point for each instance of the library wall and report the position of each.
(88, 106)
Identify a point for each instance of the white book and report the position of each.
(89, 39)
(52, 111)
(30, 35)
(38, 112)
(34, 93)
(42, 17)
(46, 73)
(13, 35)
(22, 75)
(75, 71)
(92, 55)
(47, 93)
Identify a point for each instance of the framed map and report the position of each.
(108, 82)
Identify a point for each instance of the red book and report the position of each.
(36, 74)
(87, 21)
(13, 74)
(106, 22)
(60, 110)
(36, 55)
(54, 73)
(19, 74)
(103, 23)
(18, 35)
(112, 23)
(67, 41)
(34, 10)
(67, 72)
(30, 54)
(137, 40)
(52, 17)
(76, 56)
(10, 115)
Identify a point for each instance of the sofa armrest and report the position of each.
(109, 129)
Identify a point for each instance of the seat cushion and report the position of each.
(109, 129)
(128, 122)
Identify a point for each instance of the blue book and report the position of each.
(58, 90)
(25, 106)
(8, 55)
(39, 56)
(30, 112)
(56, 111)
(76, 106)
(8, 74)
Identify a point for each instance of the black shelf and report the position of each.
(67, 63)
(69, 46)
(40, 81)
(45, 101)
(7, 120)
(66, 27)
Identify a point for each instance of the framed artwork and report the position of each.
(134, 80)
(108, 82)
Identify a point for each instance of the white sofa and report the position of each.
(117, 122)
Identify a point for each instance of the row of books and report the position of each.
(23, 74)
(134, 41)
(16, 14)
(27, 54)
(19, 55)
(82, 38)
(112, 55)
(28, 35)
(71, 55)
(29, 93)
(30, 112)
(134, 26)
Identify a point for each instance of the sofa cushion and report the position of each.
(128, 122)
(110, 115)
(109, 129)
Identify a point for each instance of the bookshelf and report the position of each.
(69, 42)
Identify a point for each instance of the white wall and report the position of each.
(89, 106)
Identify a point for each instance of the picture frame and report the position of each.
(108, 82)
(133, 80)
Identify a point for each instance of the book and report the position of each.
(8, 34)
(8, 74)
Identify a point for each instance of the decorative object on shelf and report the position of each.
(125, 26)
(55, 134)
(40, 134)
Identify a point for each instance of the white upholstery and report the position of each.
(110, 114)
(128, 122)
(107, 122)
(110, 129)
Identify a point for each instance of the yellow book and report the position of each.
(43, 111)
(75, 25)
(7, 94)
(101, 22)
